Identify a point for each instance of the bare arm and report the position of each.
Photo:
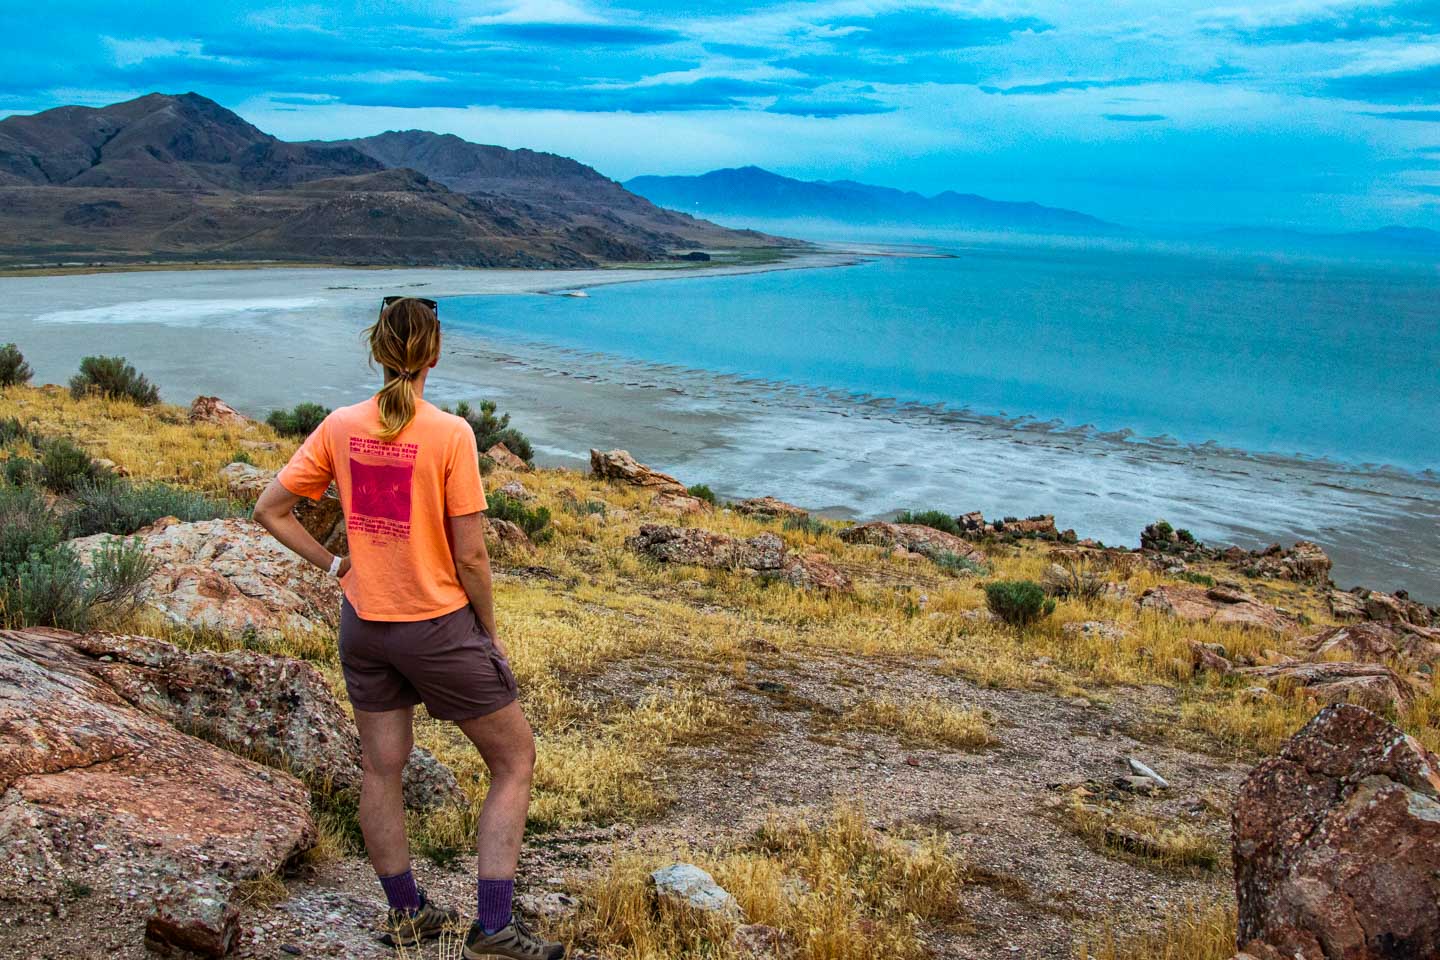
(275, 512)
(472, 563)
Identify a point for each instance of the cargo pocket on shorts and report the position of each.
(502, 667)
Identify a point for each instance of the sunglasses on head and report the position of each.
(385, 302)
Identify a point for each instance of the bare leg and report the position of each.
(508, 748)
(385, 742)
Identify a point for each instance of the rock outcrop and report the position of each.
(276, 708)
(1303, 563)
(504, 458)
(680, 503)
(1216, 605)
(764, 554)
(96, 791)
(1370, 685)
(217, 411)
(1411, 648)
(245, 481)
(619, 465)
(769, 508)
(1337, 845)
(230, 575)
(505, 538)
(324, 518)
(913, 537)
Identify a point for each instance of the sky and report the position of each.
(1312, 114)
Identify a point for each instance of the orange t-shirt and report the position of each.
(397, 497)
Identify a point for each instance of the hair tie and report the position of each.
(409, 374)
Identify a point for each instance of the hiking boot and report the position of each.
(517, 942)
(406, 928)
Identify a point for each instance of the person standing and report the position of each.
(417, 623)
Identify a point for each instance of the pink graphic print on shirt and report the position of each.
(380, 485)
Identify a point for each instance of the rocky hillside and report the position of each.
(181, 178)
(761, 733)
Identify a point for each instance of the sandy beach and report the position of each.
(264, 339)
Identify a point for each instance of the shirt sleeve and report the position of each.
(464, 493)
(311, 469)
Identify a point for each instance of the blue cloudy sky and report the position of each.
(1314, 113)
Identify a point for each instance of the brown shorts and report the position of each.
(449, 663)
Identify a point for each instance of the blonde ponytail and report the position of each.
(405, 340)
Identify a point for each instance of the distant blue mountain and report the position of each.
(752, 192)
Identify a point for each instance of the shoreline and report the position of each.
(837, 453)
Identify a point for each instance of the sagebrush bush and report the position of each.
(490, 430)
(64, 466)
(702, 491)
(115, 378)
(938, 519)
(300, 421)
(22, 472)
(112, 505)
(805, 523)
(535, 522)
(1018, 602)
(956, 563)
(53, 587)
(13, 368)
(12, 430)
(27, 525)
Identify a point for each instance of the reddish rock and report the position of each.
(115, 795)
(230, 575)
(619, 465)
(769, 508)
(1305, 562)
(914, 537)
(680, 503)
(1217, 605)
(245, 481)
(1207, 659)
(706, 549)
(1370, 685)
(324, 518)
(1042, 525)
(504, 458)
(505, 538)
(193, 917)
(1337, 845)
(1346, 606)
(814, 571)
(217, 411)
(1396, 609)
(516, 491)
(1410, 647)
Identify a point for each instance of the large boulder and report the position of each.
(681, 504)
(230, 575)
(507, 539)
(619, 465)
(324, 518)
(1215, 605)
(1337, 845)
(915, 537)
(706, 549)
(275, 708)
(1397, 608)
(245, 481)
(814, 571)
(217, 411)
(1370, 685)
(97, 792)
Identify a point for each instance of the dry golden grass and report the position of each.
(1176, 847)
(1204, 932)
(927, 723)
(838, 890)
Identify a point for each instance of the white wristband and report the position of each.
(335, 565)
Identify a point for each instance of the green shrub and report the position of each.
(490, 430)
(240, 456)
(930, 518)
(64, 466)
(21, 472)
(955, 563)
(118, 572)
(50, 588)
(27, 525)
(13, 368)
(12, 430)
(535, 522)
(584, 508)
(703, 492)
(1203, 579)
(115, 506)
(805, 523)
(298, 422)
(1187, 537)
(1018, 602)
(115, 378)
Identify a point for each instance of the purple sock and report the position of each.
(492, 899)
(401, 891)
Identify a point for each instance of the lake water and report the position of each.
(1250, 401)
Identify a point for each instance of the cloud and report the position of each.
(1135, 117)
(828, 108)
(1060, 86)
(540, 11)
(919, 30)
(583, 34)
(924, 68)
(1367, 21)
(1420, 85)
